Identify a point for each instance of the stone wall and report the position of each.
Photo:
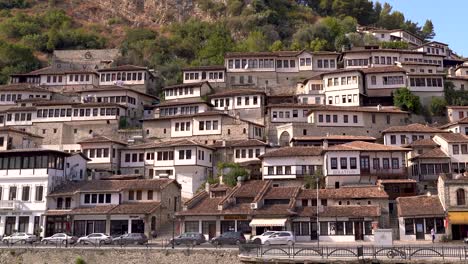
(132, 256)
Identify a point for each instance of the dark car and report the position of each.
(189, 238)
(229, 238)
(132, 238)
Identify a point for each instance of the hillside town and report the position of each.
(305, 142)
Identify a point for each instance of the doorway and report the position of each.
(138, 226)
(358, 232)
(10, 222)
(313, 231)
(419, 228)
(459, 232)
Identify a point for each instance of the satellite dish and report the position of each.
(246, 66)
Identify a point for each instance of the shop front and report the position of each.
(261, 225)
(458, 225)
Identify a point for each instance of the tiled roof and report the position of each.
(435, 153)
(111, 186)
(53, 70)
(280, 192)
(422, 205)
(135, 208)
(419, 128)
(341, 211)
(274, 209)
(168, 144)
(205, 206)
(112, 88)
(384, 69)
(35, 150)
(98, 209)
(364, 146)
(13, 130)
(426, 142)
(186, 85)
(124, 68)
(204, 68)
(454, 137)
(238, 143)
(235, 92)
(101, 139)
(23, 87)
(292, 105)
(249, 188)
(263, 54)
(182, 101)
(367, 109)
(384, 181)
(458, 122)
(333, 137)
(294, 152)
(344, 193)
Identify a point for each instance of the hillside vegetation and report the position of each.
(31, 29)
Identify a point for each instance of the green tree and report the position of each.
(355, 39)
(276, 46)
(218, 43)
(406, 100)
(234, 171)
(428, 30)
(394, 45)
(318, 44)
(437, 106)
(256, 41)
(15, 58)
(310, 181)
(342, 43)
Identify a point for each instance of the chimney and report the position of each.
(325, 144)
(207, 187)
(379, 107)
(223, 143)
(240, 180)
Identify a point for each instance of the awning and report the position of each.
(458, 218)
(268, 222)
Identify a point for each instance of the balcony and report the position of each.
(386, 173)
(10, 205)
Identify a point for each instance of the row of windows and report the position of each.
(456, 149)
(122, 76)
(326, 64)
(208, 125)
(98, 153)
(426, 82)
(315, 87)
(178, 91)
(385, 60)
(388, 80)
(343, 165)
(62, 205)
(348, 80)
(357, 62)
(25, 194)
(243, 81)
(404, 139)
(430, 223)
(33, 162)
(300, 170)
(334, 118)
(305, 62)
(211, 75)
(96, 198)
(10, 97)
(182, 126)
(67, 112)
(257, 131)
(221, 102)
(251, 63)
(78, 77)
(116, 99)
(184, 110)
(341, 228)
(165, 155)
(345, 98)
(134, 157)
(138, 195)
(247, 100)
(54, 79)
(18, 117)
(288, 114)
(438, 62)
(247, 153)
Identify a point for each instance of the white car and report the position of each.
(22, 238)
(280, 238)
(260, 238)
(95, 239)
(60, 238)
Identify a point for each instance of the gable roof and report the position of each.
(364, 146)
(426, 142)
(453, 137)
(126, 67)
(235, 92)
(238, 143)
(344, 193)
(205, 68)
(422, 205)
(187, 85)
(417, 128)
(435, 153)
(293, 152)
(384, 69)
(101, 139)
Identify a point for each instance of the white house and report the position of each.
(343, 87)
(28, 175)
(402, 135)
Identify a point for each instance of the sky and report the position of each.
(449, 18)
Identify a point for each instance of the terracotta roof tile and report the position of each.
(280, 192)
(435, 153)
(239, 143)
(249, 188)
(274, 209)
(135, 208)
(101, 139)
(294, 152)
(384, 69)
(422, 205)
(366, 109)
(205, 68)
(427, 142)
(235, 92)
(419, 128)
(341, 211)
(333, 137)
(186, 85)
(344, 193)
(364, 146)
(23, 87)
(183, 101)
(454, 137)
(124, 68)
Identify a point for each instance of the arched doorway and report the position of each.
(284, 139)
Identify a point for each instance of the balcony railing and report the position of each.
(10, 204)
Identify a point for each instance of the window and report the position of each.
(376, 163)
(343, 163)
(460, 197)
(150, 195)
(409, 227)
(393, 139)
(334, 163)
(324, 228)
(345, 118)
(395, 163)
(386, 163)
(131, 195)
(456, 149)
(279, 170)
(39, 193)
(25, 194)
(355, 119)
(12, 194)
(373, 80)
(353, 163)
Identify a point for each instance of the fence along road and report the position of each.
(249, 251)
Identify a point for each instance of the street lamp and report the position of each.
(173, 230)
(317, 218)
(68, 230)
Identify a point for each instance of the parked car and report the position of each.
(280, 238)
(260, 238)
(22, 238)
(60, 238)
(95, 239)
(230, 238)
(132, 238)
(189, 238)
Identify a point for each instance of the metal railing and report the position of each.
(10, 204)
(374, 252)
